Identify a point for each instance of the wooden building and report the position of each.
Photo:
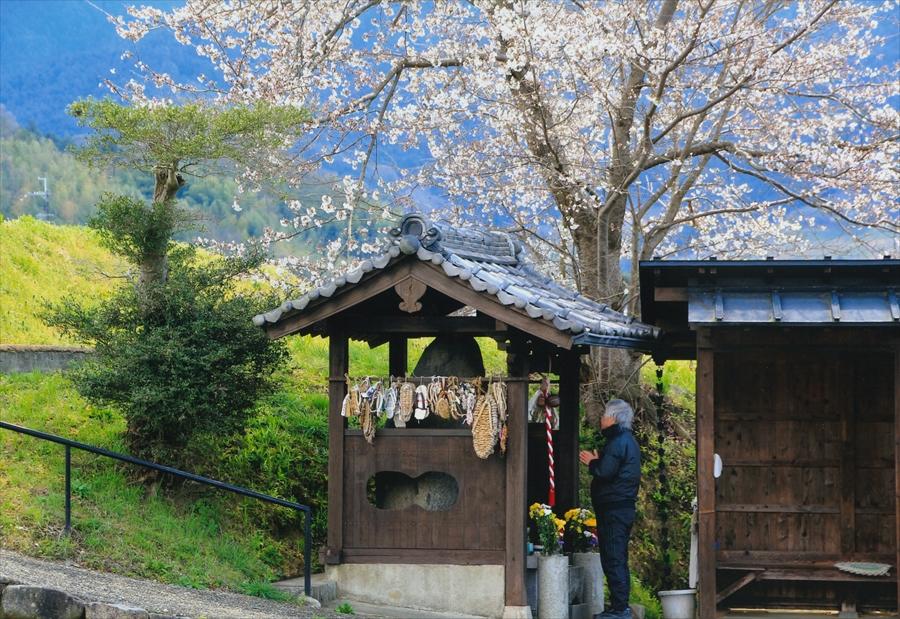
(798, 393)
(453, 283)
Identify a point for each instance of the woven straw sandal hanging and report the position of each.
(483, 437)
(421, 411)
(390, 399)
(352, 398)
(406, 403)
(434, 392)
(442, 406)
(457, 408)
(498, 390)
(367, 421)
(469, 398)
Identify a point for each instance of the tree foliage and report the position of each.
(598, 130)
(193, 139)
(195, 366)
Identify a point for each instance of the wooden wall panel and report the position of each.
(808, 442)
(476, 522)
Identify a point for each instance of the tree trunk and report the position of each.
(154, 266)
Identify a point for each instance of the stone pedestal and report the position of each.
(553, 587)
(592, 579)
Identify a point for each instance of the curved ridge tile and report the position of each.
(478, 284)
(354, 276)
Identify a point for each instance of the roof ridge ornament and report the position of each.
(415, 231)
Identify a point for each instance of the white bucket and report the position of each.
(678, 604)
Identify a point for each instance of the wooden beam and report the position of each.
(516, 474)
(670, 294)
(794, 558)
(424, 326)
(737, 585)
(338, 365)
(706, 483)
(398, 355)
(435, 277)
(372, 284)
(566, 441)
(777, 509)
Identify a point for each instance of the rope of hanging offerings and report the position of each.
(479, 403)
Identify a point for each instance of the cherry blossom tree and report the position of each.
(596, 130)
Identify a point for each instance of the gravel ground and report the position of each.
(153, 596)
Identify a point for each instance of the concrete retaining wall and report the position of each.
(15, 359)
(463, 589)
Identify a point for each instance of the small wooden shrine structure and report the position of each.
(438, 280)
(798, 393)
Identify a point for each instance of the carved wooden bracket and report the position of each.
(410, 290)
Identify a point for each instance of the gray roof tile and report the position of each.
(494, 264)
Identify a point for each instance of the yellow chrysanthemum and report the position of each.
(590, 522)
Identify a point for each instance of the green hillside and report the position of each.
(75, 189)
(42, 263)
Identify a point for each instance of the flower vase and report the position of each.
(553, 587)
(592, 589)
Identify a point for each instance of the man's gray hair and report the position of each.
(621, 411)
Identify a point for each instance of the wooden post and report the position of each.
(516, 474)
(338, 365)
(847, 470)
(566, 444)
(398, 355)
(897, 464)
(706, 483)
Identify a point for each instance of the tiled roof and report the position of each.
(793, 306)
(494, 264)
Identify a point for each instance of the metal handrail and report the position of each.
(69, 444)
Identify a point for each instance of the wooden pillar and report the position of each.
(338, 365)
(398, 355)
(897, 464)
(847, 470)
(516, 474)
(706, 483)
(566, 440)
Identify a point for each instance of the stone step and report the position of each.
(321, 588)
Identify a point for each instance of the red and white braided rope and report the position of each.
(548, 423)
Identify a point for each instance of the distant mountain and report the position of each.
(54, 52)
(74, 189)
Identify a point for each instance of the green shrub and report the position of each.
(194, 365)
(282, 452)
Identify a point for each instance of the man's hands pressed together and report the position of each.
(587, 457)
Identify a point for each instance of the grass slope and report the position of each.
(195, 541)
(41, 263)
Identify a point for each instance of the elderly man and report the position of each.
(616, 476)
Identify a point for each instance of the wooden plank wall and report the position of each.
(807, 439)
(470, 532)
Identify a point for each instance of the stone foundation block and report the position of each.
(99, 610)
(25, 602)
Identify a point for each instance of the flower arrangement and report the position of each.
(579, 530)
(549, 528)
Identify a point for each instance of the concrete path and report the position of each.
(362, 609)
(91, 585)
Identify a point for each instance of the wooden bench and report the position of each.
(817, 571)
